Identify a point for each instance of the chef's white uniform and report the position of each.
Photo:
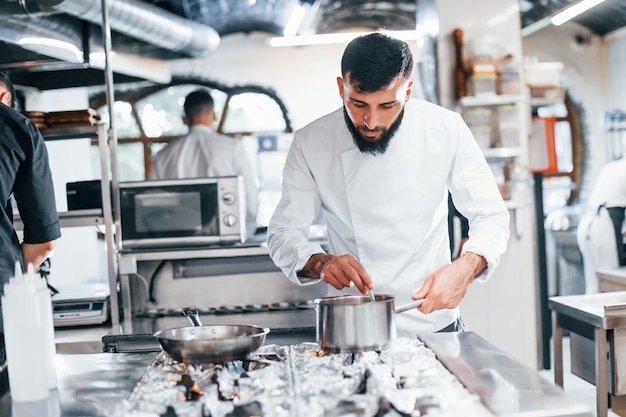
(389, 210)
(595, 233)
(204, 153)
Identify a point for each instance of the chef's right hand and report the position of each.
(339, 271)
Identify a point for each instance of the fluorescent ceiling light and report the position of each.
(330, 38)
(573, 11)
(52, 47)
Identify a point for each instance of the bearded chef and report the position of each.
(379, 170)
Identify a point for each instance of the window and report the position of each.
(148, 118)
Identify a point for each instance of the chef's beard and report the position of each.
(365, 144)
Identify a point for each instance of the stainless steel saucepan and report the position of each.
(210, 344)
(354, 323)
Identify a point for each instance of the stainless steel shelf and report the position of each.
(490, 100)
(503, 152)
(76, 218)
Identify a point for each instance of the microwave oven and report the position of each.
(183, 212)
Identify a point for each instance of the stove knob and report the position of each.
(230, 220)
(229, 199)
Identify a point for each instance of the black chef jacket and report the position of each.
(25, 173)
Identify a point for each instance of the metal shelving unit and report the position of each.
(95, 217)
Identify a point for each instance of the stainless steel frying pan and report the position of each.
(210, 344)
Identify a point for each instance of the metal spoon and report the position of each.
(371, 295)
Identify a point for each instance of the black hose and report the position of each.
(153, 279)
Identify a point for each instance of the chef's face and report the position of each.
(373, 117)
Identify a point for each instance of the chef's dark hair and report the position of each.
(9, 86)
(196, 102)
(373, 61)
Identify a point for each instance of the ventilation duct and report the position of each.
(133, 18)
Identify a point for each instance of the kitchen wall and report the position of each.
(585, 71)
(79, 258)
(503, 310)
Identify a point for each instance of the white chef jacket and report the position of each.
(390, 210)
(594, 234)
(205, 153)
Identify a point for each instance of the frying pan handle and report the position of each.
(409, 306)
(193, 316)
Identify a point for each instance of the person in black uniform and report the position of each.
(25, 174)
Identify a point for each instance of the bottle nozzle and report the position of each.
(18, 270)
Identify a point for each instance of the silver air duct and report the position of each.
(137, 19)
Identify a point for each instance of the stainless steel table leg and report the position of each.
(602, 383)
(557, 348)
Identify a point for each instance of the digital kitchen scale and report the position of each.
(79, 306)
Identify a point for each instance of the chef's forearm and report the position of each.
(473, 263)
(314, 266)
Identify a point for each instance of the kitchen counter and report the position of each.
(597, 326)
(94, 384)
(89, 385)
(80, 339)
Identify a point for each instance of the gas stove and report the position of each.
(229, 309)
(405, 379)
(289, 322)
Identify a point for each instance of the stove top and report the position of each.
(287, 326)
(405, 379)
(229, 309)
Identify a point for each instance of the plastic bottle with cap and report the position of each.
(23, 335)
(47, 322)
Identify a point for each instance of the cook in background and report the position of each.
(25, 174)
(205, 153)
(599, 232)
(379, 170)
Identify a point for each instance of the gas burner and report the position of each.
(174, 312)
(152, 313)
(204, 311)
(404, 379)
(256, 308)
(305, 304)
(229, 310)
(283, 305)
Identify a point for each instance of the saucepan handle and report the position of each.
(409, 306)
(193, 316)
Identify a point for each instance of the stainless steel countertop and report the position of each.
(506, 386)
(89, 385)
(93, 384)
(590, 308)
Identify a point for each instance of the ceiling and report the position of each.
(77, 22)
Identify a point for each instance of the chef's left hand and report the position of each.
(446, 287)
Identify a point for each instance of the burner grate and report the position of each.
(405, 379)
(228, 309)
